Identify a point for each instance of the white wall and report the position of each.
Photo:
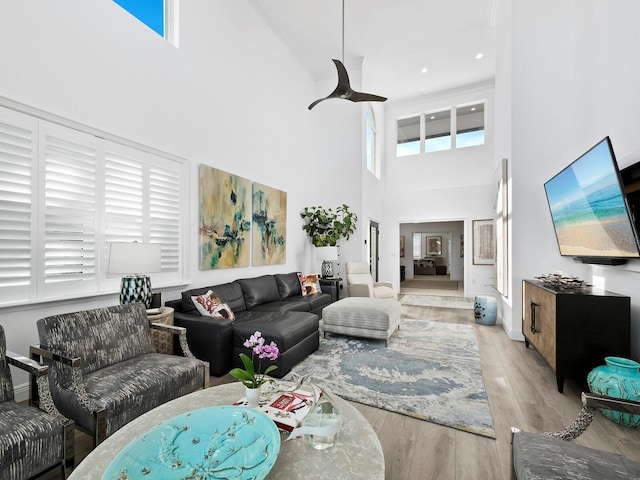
(573, 82)
(231, 96)
(438, 187)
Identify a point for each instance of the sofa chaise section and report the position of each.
(271, 304)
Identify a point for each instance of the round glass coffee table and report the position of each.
(356, 454)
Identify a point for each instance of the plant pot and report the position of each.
(253, 396)
(619, 378)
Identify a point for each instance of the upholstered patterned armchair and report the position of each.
(360, 283)
(32, 441)
(104, 371)
(550, 456)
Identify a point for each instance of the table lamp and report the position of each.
(135, 261)
(327, 255)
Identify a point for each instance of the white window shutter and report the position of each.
(165, 180)
(69, 210)
(123, 194)
(18, 153)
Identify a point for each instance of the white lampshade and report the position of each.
(326, 253)
(134, 258)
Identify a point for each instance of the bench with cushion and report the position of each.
(362, 317)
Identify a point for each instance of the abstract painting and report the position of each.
(224, 219)
(269, 225)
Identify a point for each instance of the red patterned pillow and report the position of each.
(309, 283)
(211, 305)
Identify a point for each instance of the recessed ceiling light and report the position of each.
(479, 55)
(424, 70)
(473, 109)
(433, 117)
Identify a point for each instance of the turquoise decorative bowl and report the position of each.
(216, 442)
(618, 378)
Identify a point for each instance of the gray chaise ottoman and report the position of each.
(362, 317)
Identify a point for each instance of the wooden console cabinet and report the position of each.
(574, 329)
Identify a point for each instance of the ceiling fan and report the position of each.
(344, 90)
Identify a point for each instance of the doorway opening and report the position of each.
(374, 254)
(433, 261)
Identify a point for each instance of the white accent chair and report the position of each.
(360, 283)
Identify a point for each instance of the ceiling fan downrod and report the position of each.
(344, 90)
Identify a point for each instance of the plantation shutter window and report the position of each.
(66, 193)
(17, 194)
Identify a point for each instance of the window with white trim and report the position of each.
(65, 195)
(470, 125)
(456, 127)
(370, 139)
(408, 136)
(161, 16)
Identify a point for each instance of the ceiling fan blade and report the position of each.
(318, 101)
(343, 90)
(365, 97)
(343, 76)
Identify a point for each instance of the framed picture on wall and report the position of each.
(484, 242)
(434, 246)
(402, 245)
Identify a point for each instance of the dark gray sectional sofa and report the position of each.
(271, 304)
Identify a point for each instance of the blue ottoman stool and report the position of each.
(485, 309)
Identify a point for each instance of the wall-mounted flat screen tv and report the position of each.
(589, 208)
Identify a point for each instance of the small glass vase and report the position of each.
(619, 378)
(253, 396)
(322, 424)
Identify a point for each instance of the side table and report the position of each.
(162, 340)
(335, 291)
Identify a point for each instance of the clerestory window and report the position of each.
(455, 127)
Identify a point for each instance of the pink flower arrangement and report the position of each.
(249, 376)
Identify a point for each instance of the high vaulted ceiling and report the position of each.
(397, 38)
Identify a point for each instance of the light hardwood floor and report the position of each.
(522, 392)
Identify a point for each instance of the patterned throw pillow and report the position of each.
(211, 305)
(309, 283)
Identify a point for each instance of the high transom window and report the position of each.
(456, 127)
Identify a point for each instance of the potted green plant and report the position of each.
(326, 226)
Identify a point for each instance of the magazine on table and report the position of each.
(287, 408)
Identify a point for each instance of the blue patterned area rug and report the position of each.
(430, 371)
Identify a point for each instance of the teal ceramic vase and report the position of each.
(618, 378)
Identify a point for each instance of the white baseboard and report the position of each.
(21, 392)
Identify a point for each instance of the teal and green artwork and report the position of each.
(224, 223)
(269, 225)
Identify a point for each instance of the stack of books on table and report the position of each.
(288, 408)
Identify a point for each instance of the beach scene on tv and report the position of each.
(588, 208)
